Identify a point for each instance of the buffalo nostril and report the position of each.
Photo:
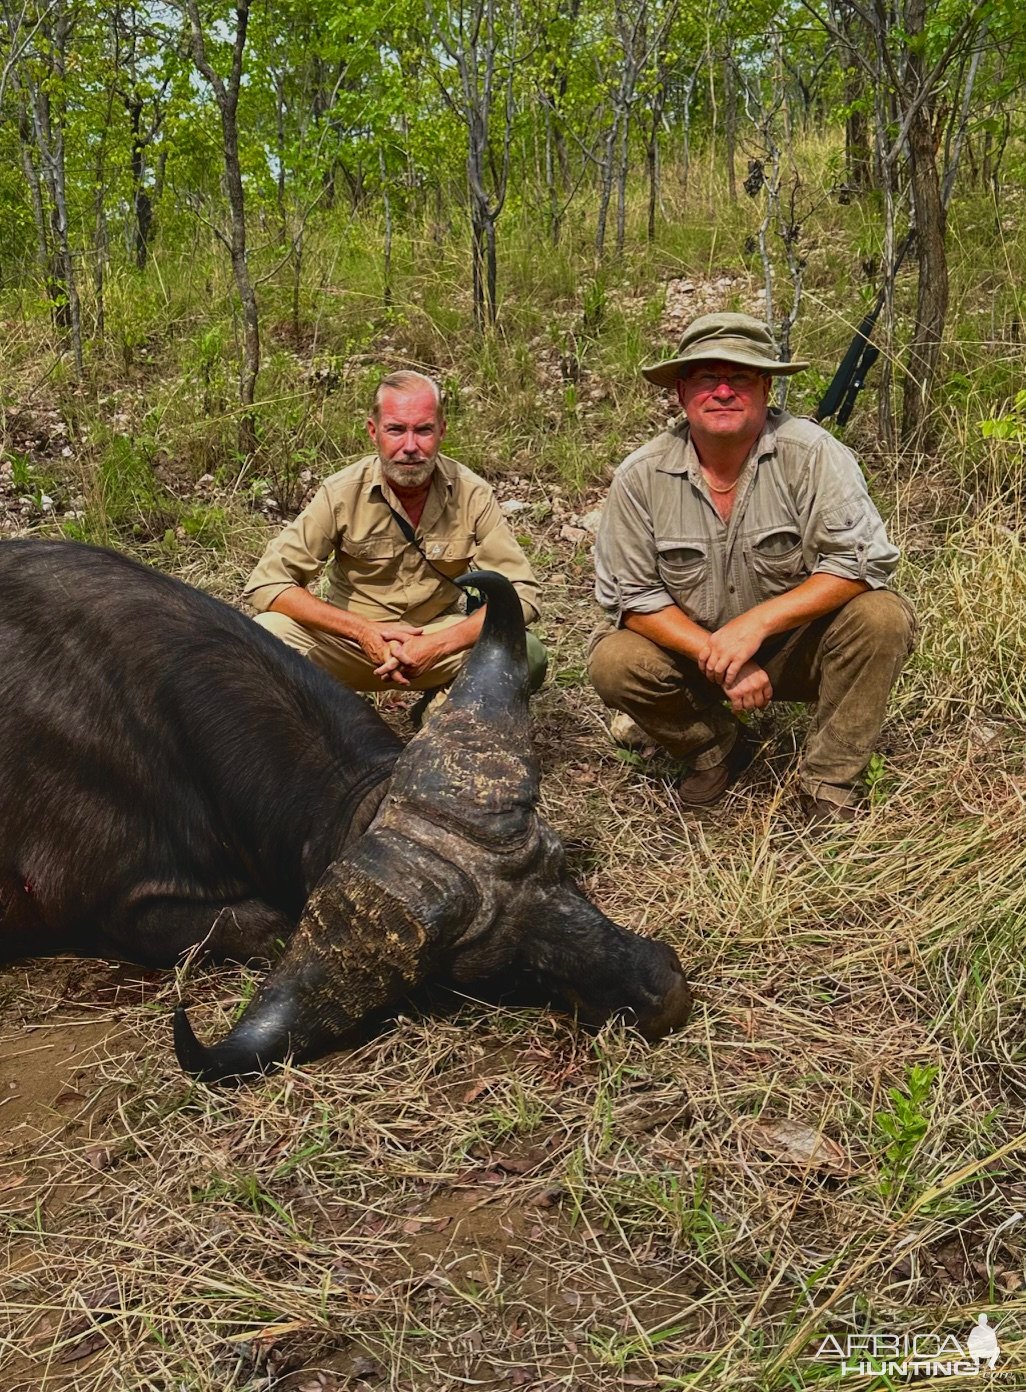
(670, 1013)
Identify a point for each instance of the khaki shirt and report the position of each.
(371, 568)
(802, 508)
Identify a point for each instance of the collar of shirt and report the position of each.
(443, 478)
(684, 458)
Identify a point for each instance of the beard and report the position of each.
(406, 476)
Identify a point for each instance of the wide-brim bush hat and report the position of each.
(726, 337)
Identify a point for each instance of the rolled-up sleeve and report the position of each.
(499, 550)
(845, 534)
(297, 555)
(627, 579)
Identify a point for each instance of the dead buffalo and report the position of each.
(172, 775)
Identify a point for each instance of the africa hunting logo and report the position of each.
(913, 1355)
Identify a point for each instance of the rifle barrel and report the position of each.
(850, 377)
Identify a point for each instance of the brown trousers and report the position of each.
(846, 663)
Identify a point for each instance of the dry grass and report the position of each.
(487, 1197)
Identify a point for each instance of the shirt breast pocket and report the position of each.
(777, 559)
(370, 556)
(452, 554)
(683, 566)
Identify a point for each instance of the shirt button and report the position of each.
(730, 589)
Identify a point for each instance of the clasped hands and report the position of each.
(401, 651)
(726, 659)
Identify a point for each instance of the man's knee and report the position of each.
(286, 629)
(537, 660)
(619, 660)
(879, 618)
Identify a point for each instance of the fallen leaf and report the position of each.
(480, 1086)
(548, 1198)
(516, 1164)
(85, 1348)
(416, 1225)
(271, 1331)
(794, 1143)
(11, 1182)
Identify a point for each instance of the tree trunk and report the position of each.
(551, 191)
(247, 296)
(652, 157)
(492, 268)
(477, 265)
(730, 124)
(606, 185)
(622, 162)
(100, 212)
(297, 277)
(142, 208)
(686, 150)
(279, 127)
(387, 296)
(917, 428)
(31, 173)
(50, 137)
(227, 97)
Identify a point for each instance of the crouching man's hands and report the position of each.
(383, 645)
(728, 649)
(727, 659)
(752, 689)
(420, 653)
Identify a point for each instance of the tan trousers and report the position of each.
(846, 663)
(348, 663)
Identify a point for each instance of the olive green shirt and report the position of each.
(802, 508)
(371, 569)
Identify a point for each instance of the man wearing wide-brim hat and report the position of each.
(741, 559)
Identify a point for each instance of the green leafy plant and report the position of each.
(903, 1127)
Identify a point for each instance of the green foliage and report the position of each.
(126, 494)
(1010, 424)
(903, 1128)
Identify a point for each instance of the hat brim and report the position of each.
(667, 374)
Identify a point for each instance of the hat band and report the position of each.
(728, 348)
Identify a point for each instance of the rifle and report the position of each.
(850, 377)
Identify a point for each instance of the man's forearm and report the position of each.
(671, 629)
(812, 599)
(456, 637)
(306, 609)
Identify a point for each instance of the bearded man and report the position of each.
(393, 529)
(741, 560)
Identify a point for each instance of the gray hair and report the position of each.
(405, 380)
